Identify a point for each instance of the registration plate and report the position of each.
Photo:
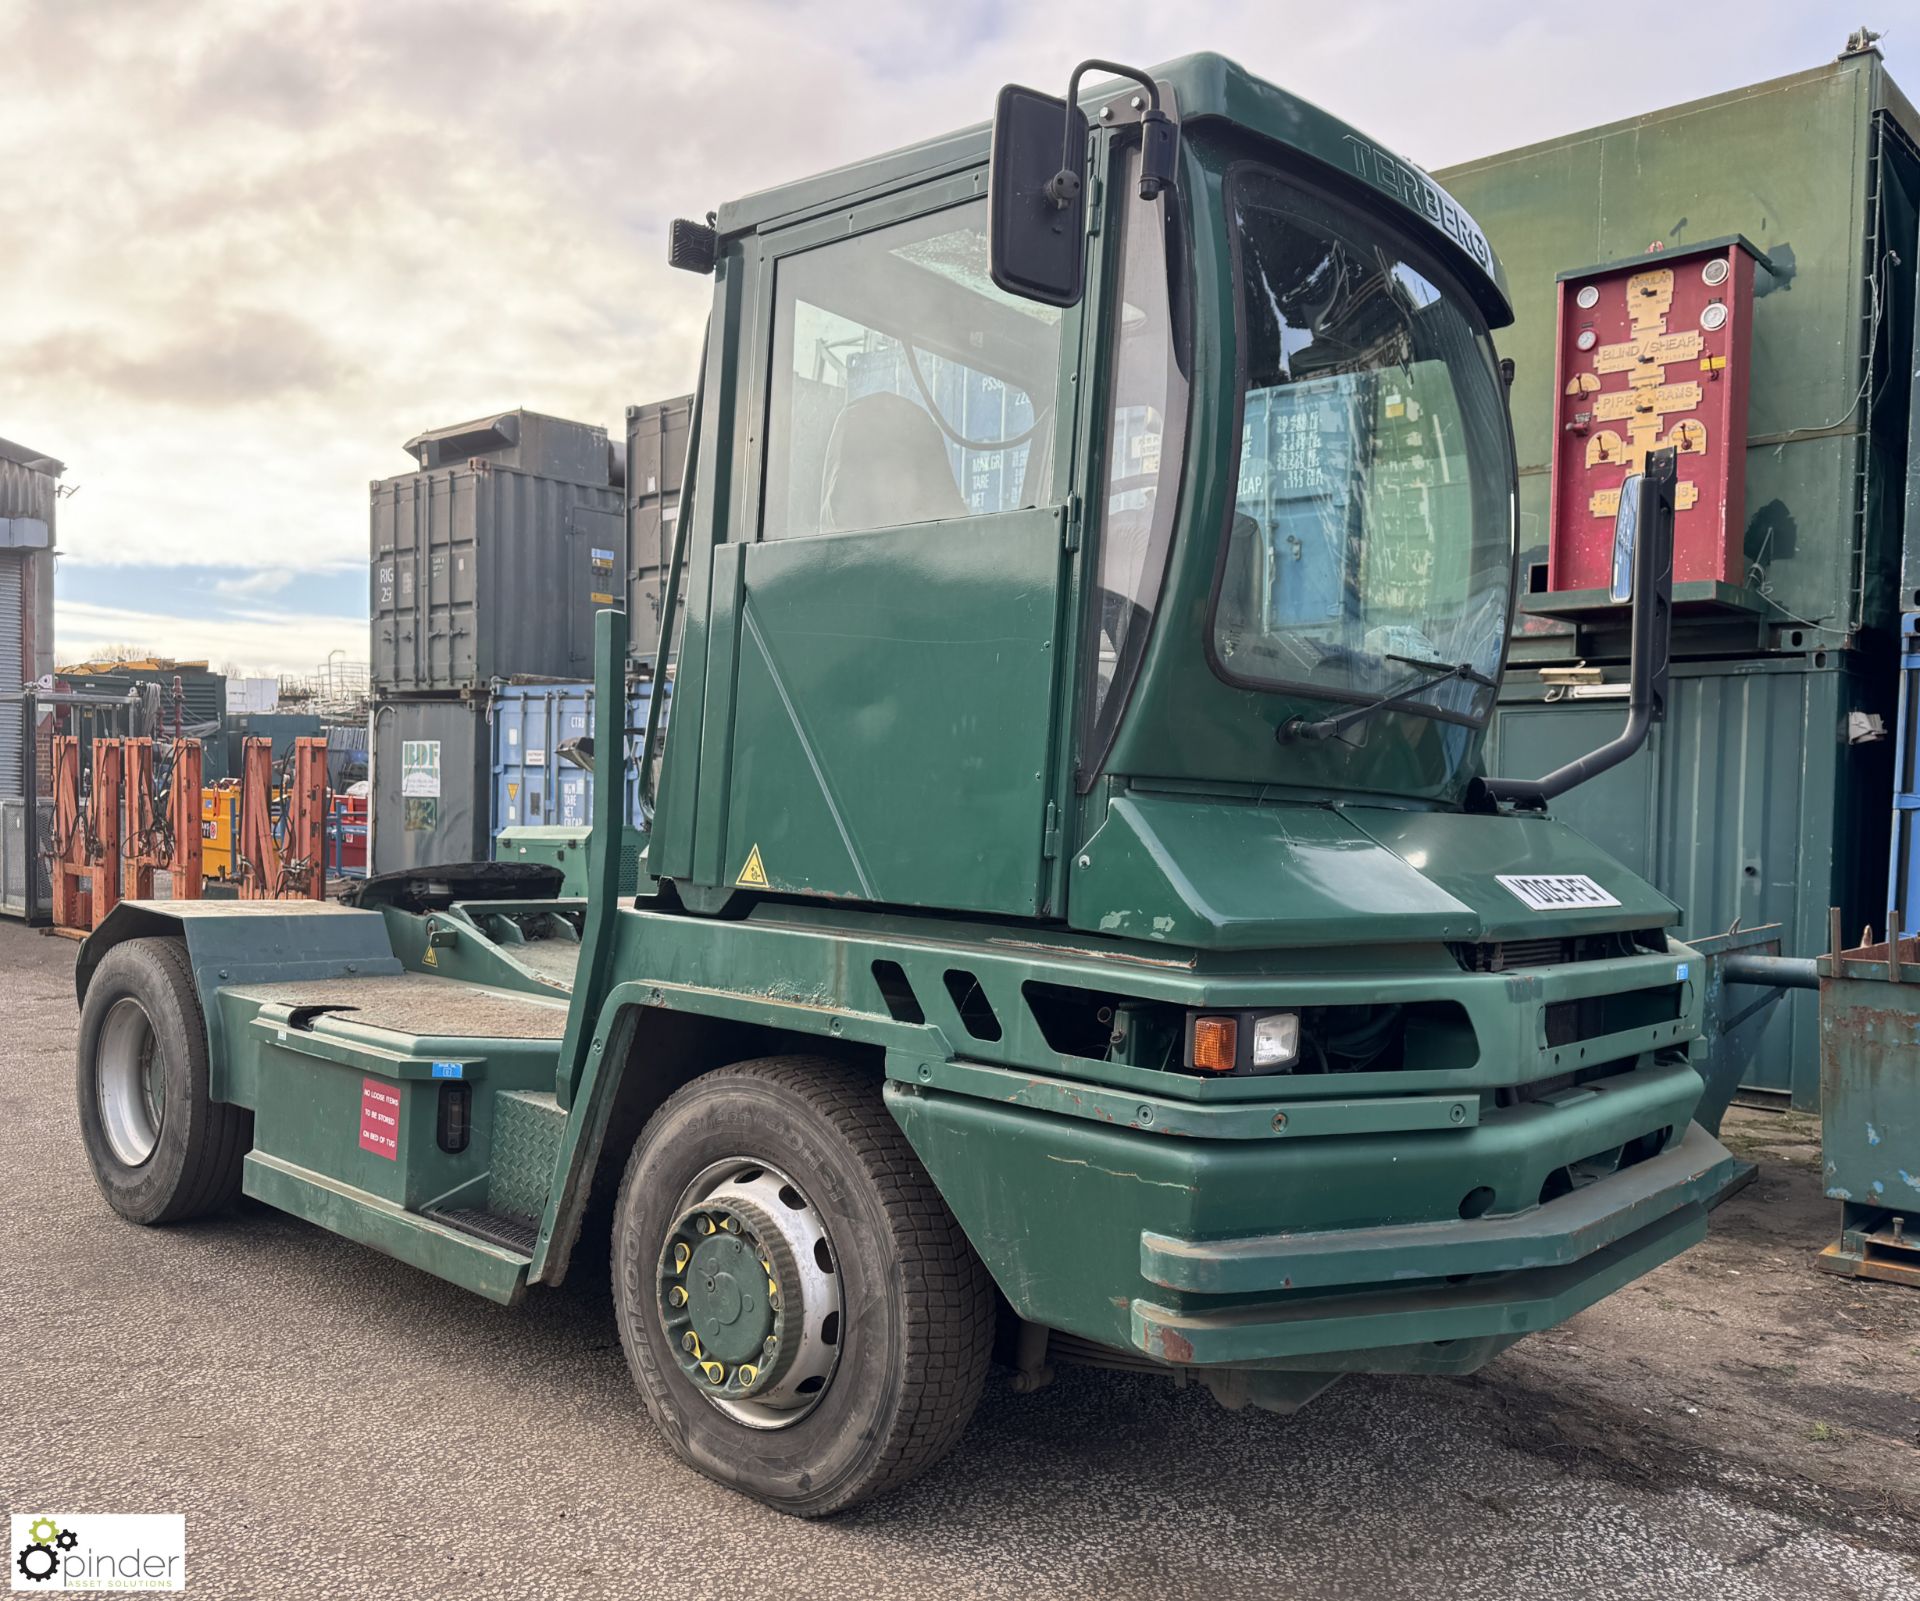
(1555, 892)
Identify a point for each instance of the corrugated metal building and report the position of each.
(1763, 799)
(29, 494)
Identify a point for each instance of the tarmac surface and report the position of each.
(335, 1424)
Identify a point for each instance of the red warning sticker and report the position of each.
(380, 1118)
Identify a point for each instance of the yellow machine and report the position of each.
(220, 831)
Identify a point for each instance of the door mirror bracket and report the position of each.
(1037, 200)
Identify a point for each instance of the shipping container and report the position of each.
(481, 571)
(527, 441)
(533, 784)
(656, 461)
(1903, 868)
(1761, 799)
(431, 782)
(1820, 171)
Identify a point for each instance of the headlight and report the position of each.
(1276, 1039)
(1243, 1042)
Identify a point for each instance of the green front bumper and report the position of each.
(1344, 1250)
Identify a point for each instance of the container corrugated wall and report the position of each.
(532, 785)
(430, 790)
(1820, 171)
(1760, 799)
(656, 462)
(483, 573)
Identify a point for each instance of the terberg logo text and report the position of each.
(62, 1551)
(1412, 187)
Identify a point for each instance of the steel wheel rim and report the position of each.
(808, 1328)
(130, 1082)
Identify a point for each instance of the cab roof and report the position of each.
(1204, 86)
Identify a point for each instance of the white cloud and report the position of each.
(260, 243)
(262, 641)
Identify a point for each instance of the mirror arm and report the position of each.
(1652, 634)
(1063, 188)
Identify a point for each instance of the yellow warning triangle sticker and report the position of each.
(753, 875)
(513, 792)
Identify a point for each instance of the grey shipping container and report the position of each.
(1762, 799)
(1821, 171)
(528, 441)
(432, 783)
(483, 572)
(656, 461)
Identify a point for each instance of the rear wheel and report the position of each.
(162, 1149)
(805, 1320)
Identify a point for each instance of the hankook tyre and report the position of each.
(803, 1316)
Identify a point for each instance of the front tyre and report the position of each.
(804, 1318)
(162, 1148)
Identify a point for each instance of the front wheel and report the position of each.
(803, 1316)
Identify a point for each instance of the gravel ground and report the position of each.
(331, 1423)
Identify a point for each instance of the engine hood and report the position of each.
(1224, 875)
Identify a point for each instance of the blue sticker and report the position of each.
(1680, 974)
(449, 1070)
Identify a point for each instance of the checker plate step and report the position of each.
(510, 1233)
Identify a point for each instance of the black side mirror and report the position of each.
(1037, 210)
(1626, 530)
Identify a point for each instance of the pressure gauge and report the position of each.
(1588, 298)
(1714, 317)
(1587, 340)
(1714, 273)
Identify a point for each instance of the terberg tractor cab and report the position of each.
(1073, 911)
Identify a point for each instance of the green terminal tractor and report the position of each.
(1074, 923)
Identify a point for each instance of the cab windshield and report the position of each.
(1371, 534)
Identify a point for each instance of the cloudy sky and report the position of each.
(250, 246)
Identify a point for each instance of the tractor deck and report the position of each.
(440, 1091)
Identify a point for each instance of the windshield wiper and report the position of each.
(1431, 675)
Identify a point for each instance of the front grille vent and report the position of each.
(1503, 956)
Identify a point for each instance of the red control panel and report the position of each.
(1652, 354)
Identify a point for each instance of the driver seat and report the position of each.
(886, 464)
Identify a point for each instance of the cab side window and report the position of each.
(905, 387)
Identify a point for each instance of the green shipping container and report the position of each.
(1821, 171)
(1762, 799)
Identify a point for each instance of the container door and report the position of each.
(596, 566)
(891, 632)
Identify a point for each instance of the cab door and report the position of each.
(887, 728)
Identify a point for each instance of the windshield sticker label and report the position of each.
(1554, 892)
